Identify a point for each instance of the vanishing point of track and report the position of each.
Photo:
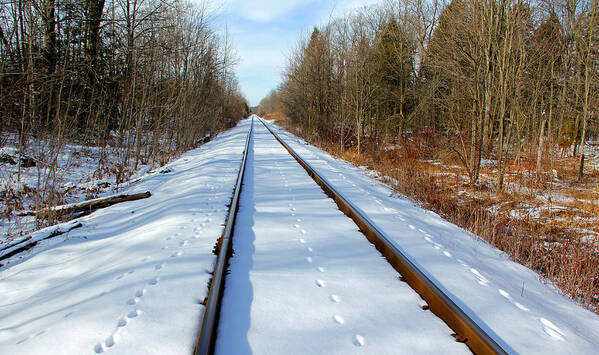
(472, 332)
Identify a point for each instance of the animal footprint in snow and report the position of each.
(463, 263)
(183, 243)
(309, 249)
(359, 340)
(302, 240)
(338, 319)
(512, 300)
(481, 279)
(122, 322)
(478, 274)
(309, 259)
(552, 330)
(99, 348)
(134, 313)
(159, 266)
(320, 283)
(174, 255)
(320, 269)
(296, 225)
(154, 281)
(141, 292)
(132, 301)
(110, 341)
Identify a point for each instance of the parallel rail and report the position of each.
(208, 331)
(475, 334)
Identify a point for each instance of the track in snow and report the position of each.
(316, 285)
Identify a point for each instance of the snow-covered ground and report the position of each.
(81, 172)
(303, 280)
(528, 314)
(131, 279)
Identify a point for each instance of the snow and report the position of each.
(132, 278)
(512, 300)
(37, 236)
(82, 172)
(303, 279)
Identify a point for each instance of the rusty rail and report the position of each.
(479, 337)
(208, 331)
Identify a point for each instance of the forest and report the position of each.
(484, 111)
(151, 77)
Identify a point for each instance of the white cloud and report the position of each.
(263, 32)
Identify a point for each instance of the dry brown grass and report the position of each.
(548, 241)
(279, 118)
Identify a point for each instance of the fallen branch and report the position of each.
(86, 206)
(33, 239)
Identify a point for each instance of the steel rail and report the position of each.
(208, 331)
(479, 337)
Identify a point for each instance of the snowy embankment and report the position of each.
(304, 280)
(132, 278)
(528, 314)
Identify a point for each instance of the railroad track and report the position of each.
(467, 328)
(207, 335)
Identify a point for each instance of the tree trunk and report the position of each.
(50, 53)
(95, 9)
(585, 108)
(540, 149)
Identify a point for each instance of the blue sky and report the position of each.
(263, 32)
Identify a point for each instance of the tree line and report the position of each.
(491, 77)
(153, 74)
